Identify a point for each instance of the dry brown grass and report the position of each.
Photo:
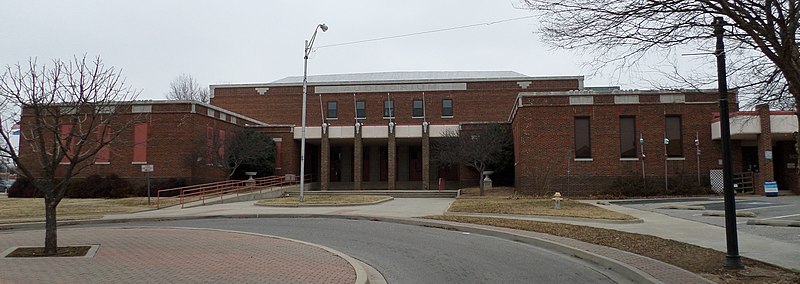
(14, 210)
(500, 201)
(703, 261)
(323, 200)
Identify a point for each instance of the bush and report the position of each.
(163, 184)
(632, 185)
(95, 186)
(24, 188)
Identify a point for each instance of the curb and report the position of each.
(682, 207)
(744, 214)
(776, 223)
(327, 205)
(554, 218)
(626, 270)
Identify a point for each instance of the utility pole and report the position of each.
(732, 258)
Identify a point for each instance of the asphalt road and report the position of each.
(414, 254)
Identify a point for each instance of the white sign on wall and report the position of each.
(147, 168)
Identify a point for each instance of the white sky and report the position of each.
(262, 41)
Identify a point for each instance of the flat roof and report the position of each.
(403, 77)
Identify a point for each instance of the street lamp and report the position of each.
(308, 45)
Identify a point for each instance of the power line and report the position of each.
(426, 32)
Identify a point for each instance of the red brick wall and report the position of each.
(544, 137)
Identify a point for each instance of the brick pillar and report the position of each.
(426, 157)
(325, 161)
(392, 167)
(765, 167)
(358, 159)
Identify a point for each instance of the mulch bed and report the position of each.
(75, 251)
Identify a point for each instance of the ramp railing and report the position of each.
(203, 192)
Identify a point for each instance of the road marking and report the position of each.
(784, 216)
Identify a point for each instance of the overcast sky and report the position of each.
(262, 41)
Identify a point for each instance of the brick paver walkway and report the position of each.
(173, 255)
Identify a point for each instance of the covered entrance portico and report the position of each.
(391, 157)
(767, 146)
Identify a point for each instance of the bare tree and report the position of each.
(763, 55)
(68, 112)
(252, 151)
(185, 88)
(482, 147)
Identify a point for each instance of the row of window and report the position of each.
(673, 137)
(417, 109)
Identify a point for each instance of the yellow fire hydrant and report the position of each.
(557, 200)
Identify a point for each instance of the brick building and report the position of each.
(179, 138)
(374, 131)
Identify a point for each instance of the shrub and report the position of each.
(24, 188)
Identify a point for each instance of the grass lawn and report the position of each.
(703, 261)
(322, 200)
(498, 201)
(14, 210)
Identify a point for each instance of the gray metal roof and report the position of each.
(410, 77)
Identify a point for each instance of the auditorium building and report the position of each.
(375, 131)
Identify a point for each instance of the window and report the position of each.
(388, 108)
(417, 110)
(210, 112)
(332, 110)
(221, 149)
(673, 133)
(209, 145)
(627, 137)
(142, 108)
(103, 136)
(140, 143)
(361, 109)
(583, 139)
(447, 107)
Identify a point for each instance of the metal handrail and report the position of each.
(214, 189)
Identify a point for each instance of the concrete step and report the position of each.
(392, 193)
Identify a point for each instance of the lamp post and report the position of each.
(732, 259)
(666, 164)
(308, 45)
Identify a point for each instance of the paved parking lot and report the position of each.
(785, 208)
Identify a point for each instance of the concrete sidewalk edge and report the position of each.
(621, 268)
(326, 205)
(554, 218)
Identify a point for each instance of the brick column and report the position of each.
(392, 151)
(765, 167)
(426, 157)
(358, 159)
(325, 160)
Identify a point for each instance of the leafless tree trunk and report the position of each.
(68, 112)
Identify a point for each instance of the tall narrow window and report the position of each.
(333, 110)
(674, 134)
(140, 143)
(221, 149)
(103, 136)
(417, 109)
(278, 148)
(388, 108)
(627, 137)
(209, 145)
(583, 138)
(361, 109)
(447, 107)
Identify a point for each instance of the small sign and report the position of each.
(791, 165)
(147, 168)
(768, 154)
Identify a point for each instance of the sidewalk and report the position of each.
(177, 255)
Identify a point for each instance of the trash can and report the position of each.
(770, 188)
